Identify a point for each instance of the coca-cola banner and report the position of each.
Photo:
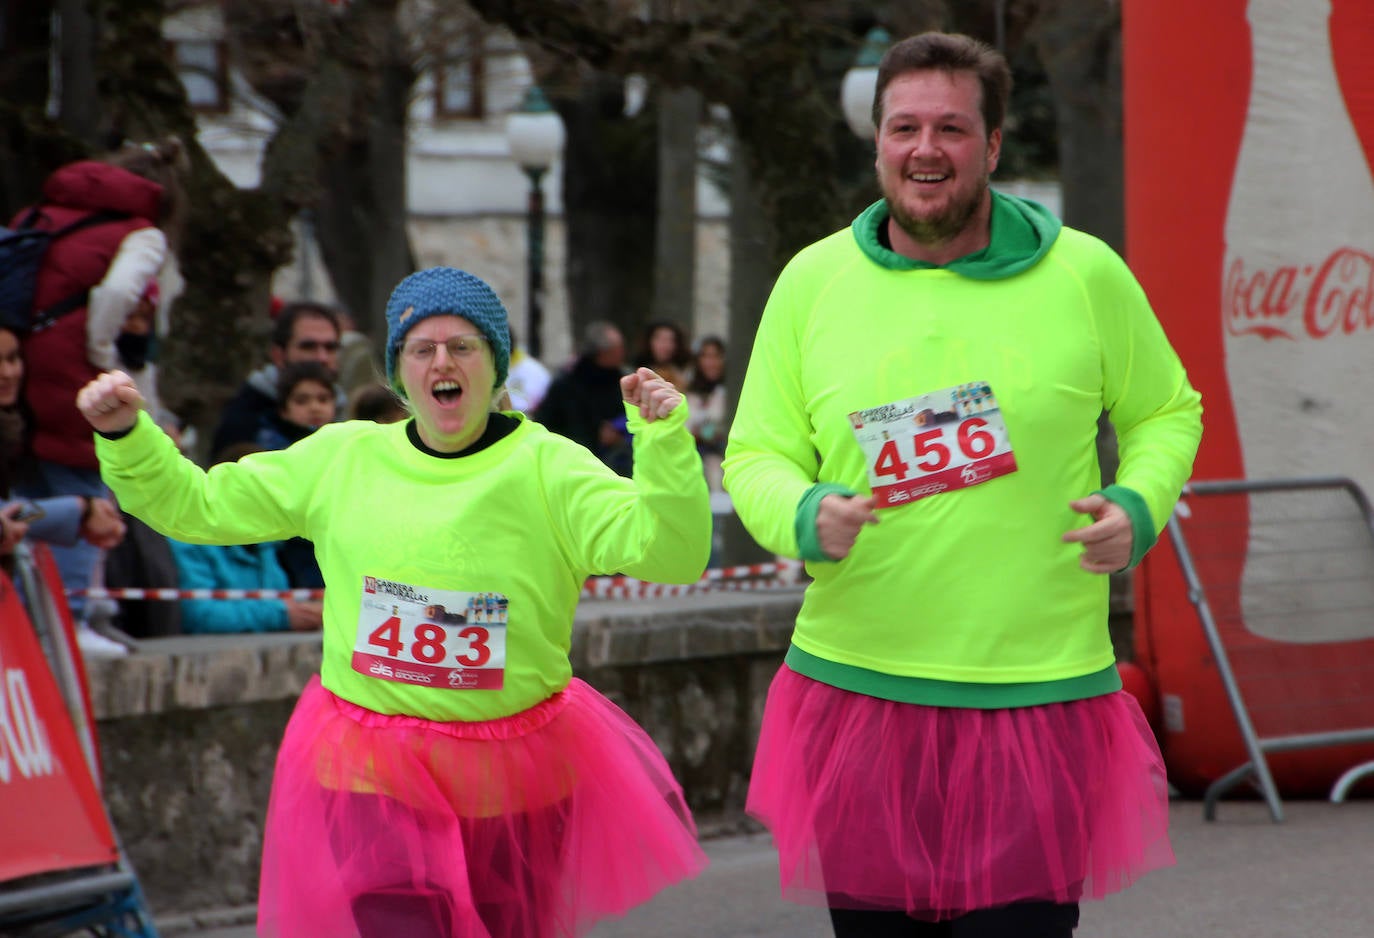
(1249, 135)
(51, 814)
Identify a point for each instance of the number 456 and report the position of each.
(932, 454)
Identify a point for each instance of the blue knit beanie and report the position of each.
(441, 291)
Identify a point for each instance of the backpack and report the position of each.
(22, 249)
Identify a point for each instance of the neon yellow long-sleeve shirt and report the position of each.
(968, 597)
(526, 519)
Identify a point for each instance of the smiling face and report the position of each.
(935, 158)
(11, 368)
(450, 396)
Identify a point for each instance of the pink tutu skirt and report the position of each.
(939, 811)
(534, 825)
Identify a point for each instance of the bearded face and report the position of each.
(934, 161)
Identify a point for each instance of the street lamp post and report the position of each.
(535, 135)
(856, 91)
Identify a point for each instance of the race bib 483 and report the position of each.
(433, 638)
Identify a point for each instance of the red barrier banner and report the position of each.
(64, 627)
(1249, 140)
(51, 814)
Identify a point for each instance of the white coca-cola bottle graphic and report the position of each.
(1298, 302)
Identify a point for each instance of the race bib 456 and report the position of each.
(936, 442)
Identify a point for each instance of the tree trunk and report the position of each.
(362, 211)
(750, 284)
(1079, 42)
(79, 108)
(609, 189)
(676, 235)
(31, 145)
(342, 78)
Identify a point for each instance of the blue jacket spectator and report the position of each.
(247, 566)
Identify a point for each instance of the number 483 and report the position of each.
(428, 647)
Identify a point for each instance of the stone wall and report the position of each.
(189, 726)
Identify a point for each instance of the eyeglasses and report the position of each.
(315, 345)
(457, 346)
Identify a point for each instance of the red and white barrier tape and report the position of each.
(169, 593)
(759, 576)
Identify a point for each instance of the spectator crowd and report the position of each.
(101, 295)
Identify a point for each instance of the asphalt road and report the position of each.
(1312, 875)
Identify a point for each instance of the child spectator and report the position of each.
(306, 402)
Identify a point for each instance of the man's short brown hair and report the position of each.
(284, 326)
(948, 52)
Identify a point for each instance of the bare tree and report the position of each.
(758, 59)
(1079, 42)
(338, 118)
(348, 161)
(114, 56)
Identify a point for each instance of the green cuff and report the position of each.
(804, 524)
(1142, 525)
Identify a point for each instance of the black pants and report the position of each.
(508, 901)
(1022, 920)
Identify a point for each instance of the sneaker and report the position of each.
(95, 645)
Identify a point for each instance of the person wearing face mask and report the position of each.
(135, 352)
(445, 775)
(144, 559)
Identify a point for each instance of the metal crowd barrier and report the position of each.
(1281, 573)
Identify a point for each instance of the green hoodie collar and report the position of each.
(1022, 232)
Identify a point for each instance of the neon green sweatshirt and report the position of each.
(503, 538)
(967, 597)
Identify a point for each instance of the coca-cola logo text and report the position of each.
(1335, 297)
